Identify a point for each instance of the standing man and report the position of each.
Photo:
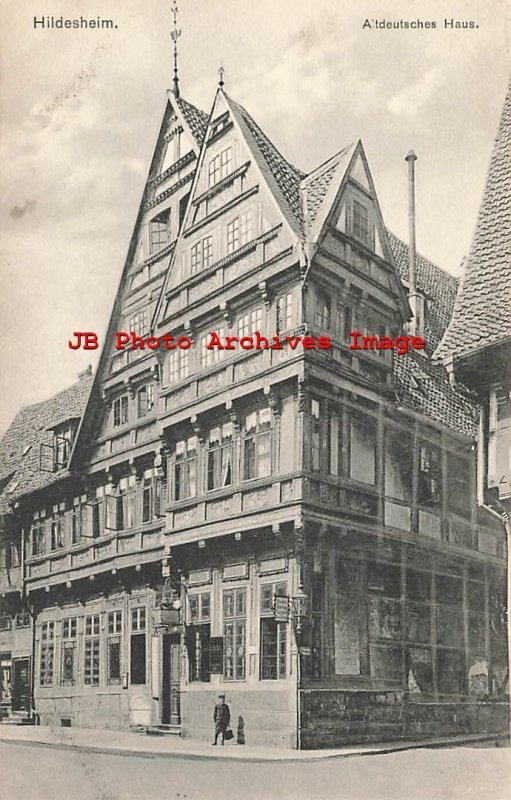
(221, 717)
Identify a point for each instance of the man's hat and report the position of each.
(220, 696)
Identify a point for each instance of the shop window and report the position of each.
(459, 495)
(398, 464)
(347, 615)
(138, 646)
(386, 662)
(23, 620)
(92, 651)
(419, 669)
(257, 445)
(68, 652)
(363, 449)
(185, 469)
(285, 317)
(322, 312)
(113, 648)
(273, 634)
(220, 166)
(430, 475)
(5, 680)
(47, 654)
(145, 400)
(235, 625)
(450, 671)
(198, 635)
(5, 622)
(120, 411)
(220, 445)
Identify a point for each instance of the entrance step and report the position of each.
(164, 730)
(17, 720)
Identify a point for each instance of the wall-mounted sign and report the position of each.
(216, 654)
(281, 608)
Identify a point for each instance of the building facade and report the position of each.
(295, 526)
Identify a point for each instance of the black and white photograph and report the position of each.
(255, 381)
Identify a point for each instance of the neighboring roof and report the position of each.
(419, 383)
(424, 387)
(314, 187)
(31, 427)
(438, 286)
(273, 164)
(196, 119)
(482, 313)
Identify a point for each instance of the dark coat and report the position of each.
(221, 715)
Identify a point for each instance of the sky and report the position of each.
(80, 111)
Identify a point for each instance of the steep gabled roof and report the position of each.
(196, 119)
(438, 286)
(280, 174)
(482, 312)
(31, 427)
(314, 187)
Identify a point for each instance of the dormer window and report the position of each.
(220, 166)
(55, 456)
(159, 232)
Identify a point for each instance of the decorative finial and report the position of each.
(221, 73)
(174, 35)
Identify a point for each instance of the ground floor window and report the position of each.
(235, 613)
(113, 660)
(273, 649)
(5, 680)
(198, 652)
(46, 664)
(92, 651)
(68, 663)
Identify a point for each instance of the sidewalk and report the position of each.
(140, 744)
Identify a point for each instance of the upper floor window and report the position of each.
(179, 364)
(220, 456)
(138, 322)
(363, 448)
(220, 166)
(250, 322)
(57, 533)
(398, 464)
(322, 312)
(285, 312)
(257, 445)
(458, 484)
(210, 357)
(315, 435)
(159, 232)
(345, 322)
(201, 254)
(430, 475)
(145, 400)
(239, 232)
(39, 539)
(120, 410)
(359, 223)
(185, 469)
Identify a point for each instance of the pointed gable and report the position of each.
(282, 176)
(482, 312)
(152, 244)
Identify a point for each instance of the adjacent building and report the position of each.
(298, 528)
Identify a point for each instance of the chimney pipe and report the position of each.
(411, 158)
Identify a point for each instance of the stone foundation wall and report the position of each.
(269, 718)
(334, 718)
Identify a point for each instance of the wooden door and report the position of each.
(170, 693)
(21, 684)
